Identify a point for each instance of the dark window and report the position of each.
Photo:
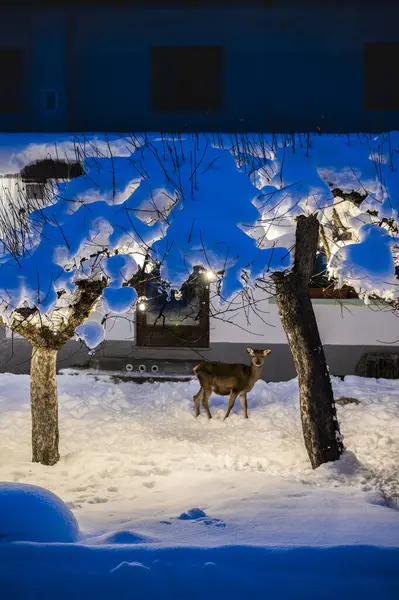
(381, 71)
(179, 321)
(321, 286)
(187, 78)
(12, 80)
(35, 191)
(51, 100)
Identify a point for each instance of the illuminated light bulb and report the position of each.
(210, 275)
(142, 303)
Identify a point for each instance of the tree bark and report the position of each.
(317, 406)
(44, 405)
(45, 344)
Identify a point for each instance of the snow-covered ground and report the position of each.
(135, 462)
(133, 455)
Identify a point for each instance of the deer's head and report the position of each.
(258, 356)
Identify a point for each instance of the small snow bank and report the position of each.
(124, 538)
(31, 513)
(189, 573)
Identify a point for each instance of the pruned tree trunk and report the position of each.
(44, 405)
(318, 412)
(45, 345)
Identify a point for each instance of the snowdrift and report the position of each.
(233, 572)
(31, 513)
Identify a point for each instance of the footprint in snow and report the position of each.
(199, 516)
(97, 500)
(192, 515)
(149, 484)
(73, 505)
(215, 522)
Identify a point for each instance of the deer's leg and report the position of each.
(205, 399)
(232, 399)
(244, 404)
(197, 401)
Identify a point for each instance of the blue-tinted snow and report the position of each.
(189, 200)
(91, 333)
(119, 299)
(150, 572)
(119, 268)
(31, 513)
(104, 209)
(215, 199)
(41, 550)
(371, 255)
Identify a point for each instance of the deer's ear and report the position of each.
(266, 352)
(250, 351)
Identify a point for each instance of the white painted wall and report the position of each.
(339, 324)
(347, 323)
(11, 189)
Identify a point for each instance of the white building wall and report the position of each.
(347, 322)
(11, 189)
(340, 323)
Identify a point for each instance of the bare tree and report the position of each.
(318, 411)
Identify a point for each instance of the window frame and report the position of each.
(184, 336)
(32, 187)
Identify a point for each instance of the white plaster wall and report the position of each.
(357, 324)
(344, 325)
(339, 324)
(11, 188)
(118, 327)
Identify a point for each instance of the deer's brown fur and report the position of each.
(230, 380)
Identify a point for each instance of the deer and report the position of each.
(226, 379)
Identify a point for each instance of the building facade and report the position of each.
(348, 328)
(199, 66)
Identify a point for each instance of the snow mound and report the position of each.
(192, 514)
(125, 537)
(31, 513)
